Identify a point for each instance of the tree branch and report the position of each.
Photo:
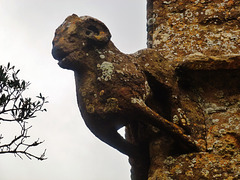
(15, 108)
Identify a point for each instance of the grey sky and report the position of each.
(26, 31)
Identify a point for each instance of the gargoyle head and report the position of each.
(75, 37)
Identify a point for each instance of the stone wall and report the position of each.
(181, 27)
(200, 41)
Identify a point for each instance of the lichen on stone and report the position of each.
(191, 32)
(197, 27)
(111, 105)
(107, 69)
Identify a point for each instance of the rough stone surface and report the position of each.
(116, 90)
(179, 100)
(181, 27)
(200, 39)
(208, 105)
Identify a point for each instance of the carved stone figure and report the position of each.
(115, 89)
(181, 110)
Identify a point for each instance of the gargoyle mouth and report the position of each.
(64, 59)
(66, 62)
(59, 54)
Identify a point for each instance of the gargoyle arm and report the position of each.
(153, 118)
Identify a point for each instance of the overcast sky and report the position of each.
(26, 31)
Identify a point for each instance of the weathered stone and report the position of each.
(116, 90)
(202, 39)
(179, 101)
(183, 27)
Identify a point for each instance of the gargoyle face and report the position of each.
(75, 37)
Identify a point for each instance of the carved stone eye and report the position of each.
(92, 30)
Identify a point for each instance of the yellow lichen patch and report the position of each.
(101, 34)
(101, 92)
(111, 105)
(90, 108)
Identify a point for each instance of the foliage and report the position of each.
(17, 109)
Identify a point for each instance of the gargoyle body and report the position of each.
(112, 87)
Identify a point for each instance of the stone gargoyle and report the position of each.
(112, 87)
